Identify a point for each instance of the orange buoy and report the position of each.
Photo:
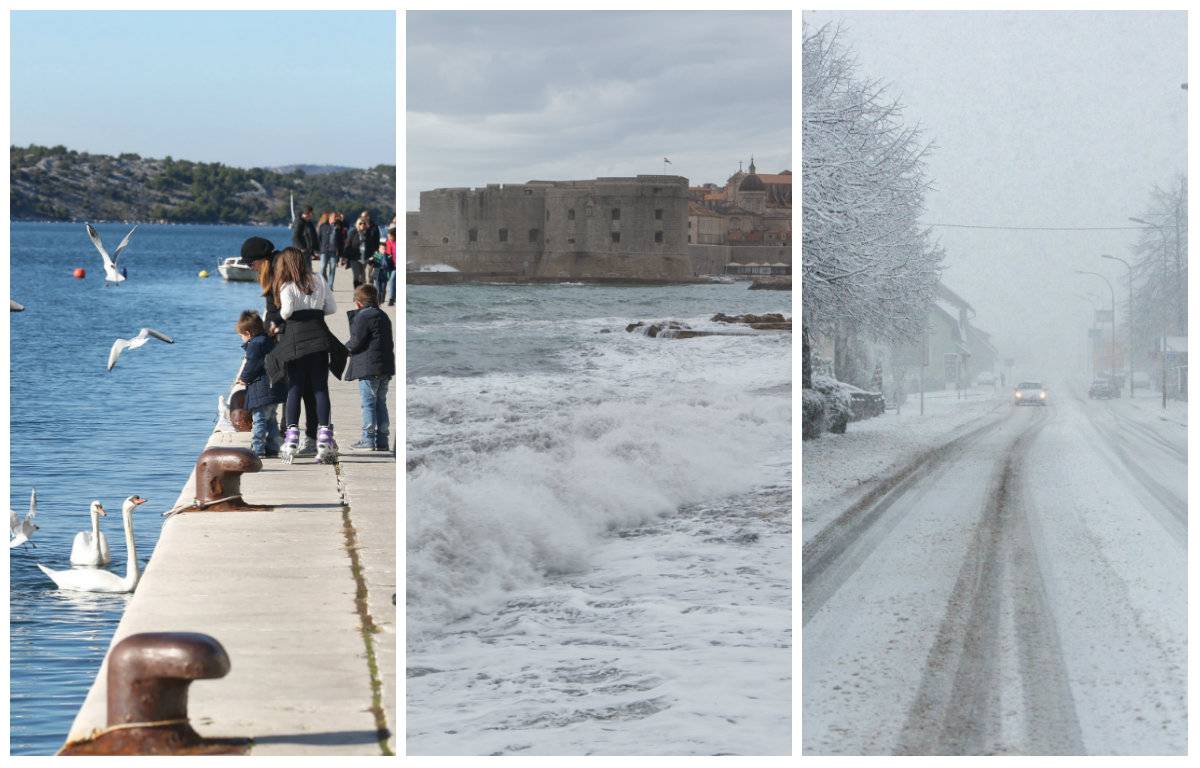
(80, 272)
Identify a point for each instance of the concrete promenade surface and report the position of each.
(278, 590)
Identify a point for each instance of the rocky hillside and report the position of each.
(64, 185)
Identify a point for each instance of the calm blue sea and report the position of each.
(80, 433)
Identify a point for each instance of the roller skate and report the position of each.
(291, 444)
(327, 450)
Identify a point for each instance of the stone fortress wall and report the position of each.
(609, 228)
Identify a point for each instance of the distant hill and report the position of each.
(309, 170)
(59, 184)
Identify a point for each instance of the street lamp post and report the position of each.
(1112, 297)
(1162, 352)
(1128, 318)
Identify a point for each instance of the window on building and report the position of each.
(689, 223)
(570, 214)
(414, 233)
(616, 214)
(547, 215)
(657, 190)
(658, 237)
(658, 213)
(504, 235)
(533, 235)
(689, 238)
(616, 236)
(571, 240)
(529, 191)
(472, 235)
(445, 240)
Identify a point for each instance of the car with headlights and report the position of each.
(1029, 393)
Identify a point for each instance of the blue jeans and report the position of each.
(329, 268)
(264, 431)
(373, 391)
(391, 288)
(381, 282)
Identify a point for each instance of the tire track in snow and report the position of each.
(1116, 440)
(958, 705)
(835, 553)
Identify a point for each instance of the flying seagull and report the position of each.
(21, 530)
(120, 345)
(111, 273)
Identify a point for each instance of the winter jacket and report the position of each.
(304, 236)
(331, 239)
(259, 391)
(370, 346)
(305, 334)
(352, 251)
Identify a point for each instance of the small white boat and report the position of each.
(235, 270)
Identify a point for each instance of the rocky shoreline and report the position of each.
(675, 329)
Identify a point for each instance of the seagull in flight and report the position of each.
(120, 345)
(111, 273)
(21, 530)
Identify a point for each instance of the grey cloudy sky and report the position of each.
(513, 96)
(1039, 119)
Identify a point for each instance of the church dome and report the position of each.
(752, 184)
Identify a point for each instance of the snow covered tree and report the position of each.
(867, 263)
(1160, 269)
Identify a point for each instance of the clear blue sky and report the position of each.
(242, 88)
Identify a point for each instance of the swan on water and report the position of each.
(21, 530)
(99, 580)
(90, 547)
(120, 345)
(111, 273)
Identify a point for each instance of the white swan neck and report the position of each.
(131, 568)
(95, 525)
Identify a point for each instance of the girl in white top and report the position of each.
(304, 348)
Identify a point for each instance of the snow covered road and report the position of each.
(1019, 590)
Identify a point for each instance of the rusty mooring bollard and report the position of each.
(219, 480)
(148, 679)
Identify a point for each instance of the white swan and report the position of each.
(144, 335)
(90, 547)
(111, 274)
(21, 530)
(97, 580)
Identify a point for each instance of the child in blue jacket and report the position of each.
(261, 398)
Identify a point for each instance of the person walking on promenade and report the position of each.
(260, 252)
(304, 234)
(306, 351)
(373, 364)
(329, 235)
(361, 246)
(391, 252)
(261, 397)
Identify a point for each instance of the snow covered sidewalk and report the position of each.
(837, 468)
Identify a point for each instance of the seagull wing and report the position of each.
(117, 253)
(145, 332)
(95, 238)
(119, 346)
(32, 506)
(14, 522)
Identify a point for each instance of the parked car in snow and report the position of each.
(985, 378)
(846, 402)
(1101, 389)
(1029, 393)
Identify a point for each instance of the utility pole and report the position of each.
(1128, 319)
(1112, 297)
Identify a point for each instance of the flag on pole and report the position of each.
(667, 161)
